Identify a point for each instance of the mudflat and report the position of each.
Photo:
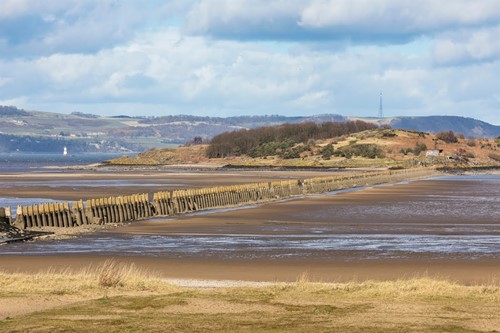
(87, 184)
(423, 228)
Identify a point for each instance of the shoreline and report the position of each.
(251, 220)
(468, 272)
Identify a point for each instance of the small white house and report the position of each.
(432, 153)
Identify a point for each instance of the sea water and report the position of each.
(25, 162)
(43, 162)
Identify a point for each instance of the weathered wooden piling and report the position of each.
(139, 206)
(5, 215)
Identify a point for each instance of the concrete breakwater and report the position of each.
(142, 206)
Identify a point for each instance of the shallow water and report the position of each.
(14, 202)
(459, 219)
(24, 162)
(91, 183)
(260, 246)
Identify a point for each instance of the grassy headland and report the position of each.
(342, 147)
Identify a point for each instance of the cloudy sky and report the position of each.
(230, 57)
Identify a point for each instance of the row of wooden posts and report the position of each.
(139, 206)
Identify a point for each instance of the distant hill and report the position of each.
(30, 131)
(10, 111)
(467, 126)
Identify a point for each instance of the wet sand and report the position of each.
(389, 210)
(462, 271)
(365, 211)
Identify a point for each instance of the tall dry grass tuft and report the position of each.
(303, 281)
(107, 275)
(113, 274)
(419, 287)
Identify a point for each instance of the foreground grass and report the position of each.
(122, 299)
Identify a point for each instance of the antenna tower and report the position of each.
(381, 108)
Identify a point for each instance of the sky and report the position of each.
(252, 57)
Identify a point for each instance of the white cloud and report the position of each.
(369, 21)
(195, 75)
(4, 80)
(394, 17)
(88, 62)
(16, 8)
(468, 46)
(20, 101)
(40, 28)
(235, 17)
(312, 99)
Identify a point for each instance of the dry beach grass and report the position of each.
(120, 298)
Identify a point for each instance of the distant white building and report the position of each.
(432, 153)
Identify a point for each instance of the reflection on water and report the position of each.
(270, 246)
(459, 221)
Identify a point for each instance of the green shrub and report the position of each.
(389, 134)
(362, 150)
(406, 151)
(447, 136)
(327, 151)
(419, 147)
(293, 153)
(270, 148)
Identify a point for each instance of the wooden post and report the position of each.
(21, 219)
(36, 216)
(77, 213)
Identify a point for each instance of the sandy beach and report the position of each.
(462, 271)
(370, 211)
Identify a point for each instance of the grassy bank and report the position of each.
(113, 298)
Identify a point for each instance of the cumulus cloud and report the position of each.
(362, 20)
(17, 8)
(31, 27)
(223, 77)
(230, 57)
(468, 47)
(243, 19)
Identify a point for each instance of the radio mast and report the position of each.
(381, 108)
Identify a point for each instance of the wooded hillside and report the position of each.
(281, 139)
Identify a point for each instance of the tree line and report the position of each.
(272, 140)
